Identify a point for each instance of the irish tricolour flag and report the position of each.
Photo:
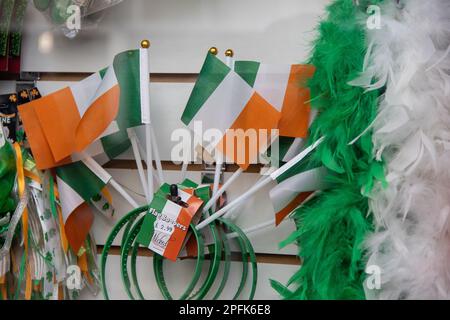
(76, 118)
(222, 100)
(296, 182)
(79, 189)
(285, 88)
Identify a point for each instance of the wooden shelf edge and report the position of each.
(77, 76)
(170, 166)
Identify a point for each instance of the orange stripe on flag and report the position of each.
(84, 267)
(3, 291)
(78, 225)
(97, 118)
(59, 117)
(176, 239)
(194, 205)
(64, 241)
(296, 110)
(192, 247)
(258, 114)
(107, 195)
(280, 216)
(28, 283)
(36, 137)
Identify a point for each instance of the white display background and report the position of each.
(181, 32)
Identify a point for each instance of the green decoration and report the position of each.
(16, 27)
(58, 11)
(332, 226)
(6, 11)
(41, 5)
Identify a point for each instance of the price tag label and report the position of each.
(166, 225)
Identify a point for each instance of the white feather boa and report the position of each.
(409, 56)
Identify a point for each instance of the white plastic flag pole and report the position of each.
(123, 193)
(257, 187)
(252, 230)
(148, 146)
(144, 157)
(237, 211)
(145, 111)
(184, 170)
(217, 174)
(219, 157)
(104, 175)
(137, 157)
(268, 224)
(159, 167)
(234, 203)
(221, 191)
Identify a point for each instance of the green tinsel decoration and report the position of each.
(16, 27)
(332, 227)
(6, 10)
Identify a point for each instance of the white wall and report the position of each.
(181, 32)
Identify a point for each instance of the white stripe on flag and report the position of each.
(112, 128)
(70, 199)
(144, 89)
(109, 81)
(224, 105)
(84, 92)
(184, 196)
(308, 181)
(271, 83)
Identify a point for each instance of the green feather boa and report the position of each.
(332, 227)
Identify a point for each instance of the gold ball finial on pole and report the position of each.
(214, 51)
(145, 44)
(229, 53)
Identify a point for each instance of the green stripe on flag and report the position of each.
(81, 179)
(203, 193)
(116, 144)
(284, 144)
(164, 190)
(145, 235)
(304, 165)
(127, 70)
(188, 184)
(248, 70)
(103, 72)
(211, 75)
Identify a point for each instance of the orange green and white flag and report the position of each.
(74, 119)
(223, 101)
(285, 88)
(80, 188)
(292, 192)
(296, 181)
